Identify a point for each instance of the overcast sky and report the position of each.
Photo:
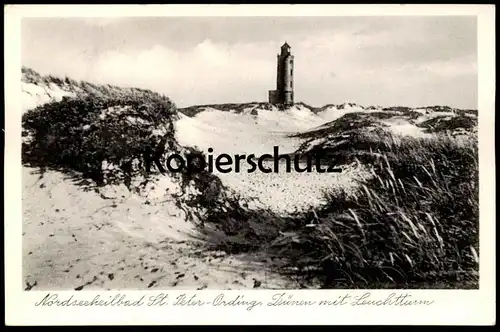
(387, 61)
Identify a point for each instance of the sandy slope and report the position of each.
(74, 239)
(247, 133)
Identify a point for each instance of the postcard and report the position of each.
(249, 164)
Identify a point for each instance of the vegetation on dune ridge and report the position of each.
(235, 107)
(408, 112)
(83, 88)
(240, 107)
(457, 122)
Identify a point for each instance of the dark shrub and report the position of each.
(80, 134)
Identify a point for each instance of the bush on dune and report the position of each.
(82, 134)
(348, 122)
(450, 123)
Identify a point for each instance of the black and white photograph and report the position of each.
(250, 153)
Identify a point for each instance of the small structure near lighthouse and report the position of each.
(283, 95)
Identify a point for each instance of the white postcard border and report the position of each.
(450, 307)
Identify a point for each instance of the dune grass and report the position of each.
(414, 221)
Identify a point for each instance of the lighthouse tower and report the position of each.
(283, 95)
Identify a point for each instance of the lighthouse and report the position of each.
(283, 95)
